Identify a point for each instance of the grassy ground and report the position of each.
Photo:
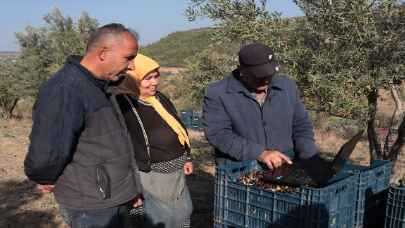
(22, 206)
(20, 203)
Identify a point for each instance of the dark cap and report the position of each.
(258, 59)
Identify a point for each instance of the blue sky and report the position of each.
(153, 19)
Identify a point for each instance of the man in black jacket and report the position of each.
(80, 149)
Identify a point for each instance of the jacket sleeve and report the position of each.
(303, 133)
(219, 133)
(57, 122)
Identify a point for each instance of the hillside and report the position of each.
(171, 51)
(174, 49)
(8, 55)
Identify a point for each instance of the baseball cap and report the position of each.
(258, 60)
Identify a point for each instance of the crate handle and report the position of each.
(341, 189)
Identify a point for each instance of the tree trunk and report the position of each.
(12, 107)
(374, 144)
(396, 148)
(393, 153)
(2, 112)
(395, 120)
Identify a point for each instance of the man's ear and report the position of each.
(102, 54)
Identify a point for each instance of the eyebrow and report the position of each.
(153, 75)
(130, 57)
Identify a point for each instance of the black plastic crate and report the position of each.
(374, 210)
(237, 205)
(191, 119)
(196, 123)
(371, 192)
(395, 212)
(185, 117)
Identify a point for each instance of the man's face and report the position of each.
(254, 83)
(120, 56)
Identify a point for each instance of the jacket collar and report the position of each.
(75, 60)
(236, 86)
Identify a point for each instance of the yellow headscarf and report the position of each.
(143, 66)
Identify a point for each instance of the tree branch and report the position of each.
(12, 107)
(396, 148)
(395, 119)
(374, 144)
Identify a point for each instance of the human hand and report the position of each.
(138, 201)
(273, 158)
(46, 188)
(137, 210)
(188, 168)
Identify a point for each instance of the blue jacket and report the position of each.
(240, 129)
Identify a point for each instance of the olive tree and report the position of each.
(235, 23)
(43, 51)
(341, 52)
(355, 47)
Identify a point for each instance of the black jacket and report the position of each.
(80, 143)
(138, 138)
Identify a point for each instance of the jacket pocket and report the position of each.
(103, 182)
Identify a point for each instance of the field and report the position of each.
(21, 205)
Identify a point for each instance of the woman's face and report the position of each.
(149, 84)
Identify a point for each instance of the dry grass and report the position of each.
(22, 206)
(329, 143)
(171, 70)
(20, 203)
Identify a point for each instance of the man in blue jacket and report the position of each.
(256, 114)
(80, 149)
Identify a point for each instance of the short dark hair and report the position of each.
(101, 34)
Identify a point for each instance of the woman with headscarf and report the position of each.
(161, 146)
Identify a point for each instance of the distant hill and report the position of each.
(171, 51)
(175, 48)
(9, 54)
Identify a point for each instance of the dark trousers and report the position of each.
(113, 217)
